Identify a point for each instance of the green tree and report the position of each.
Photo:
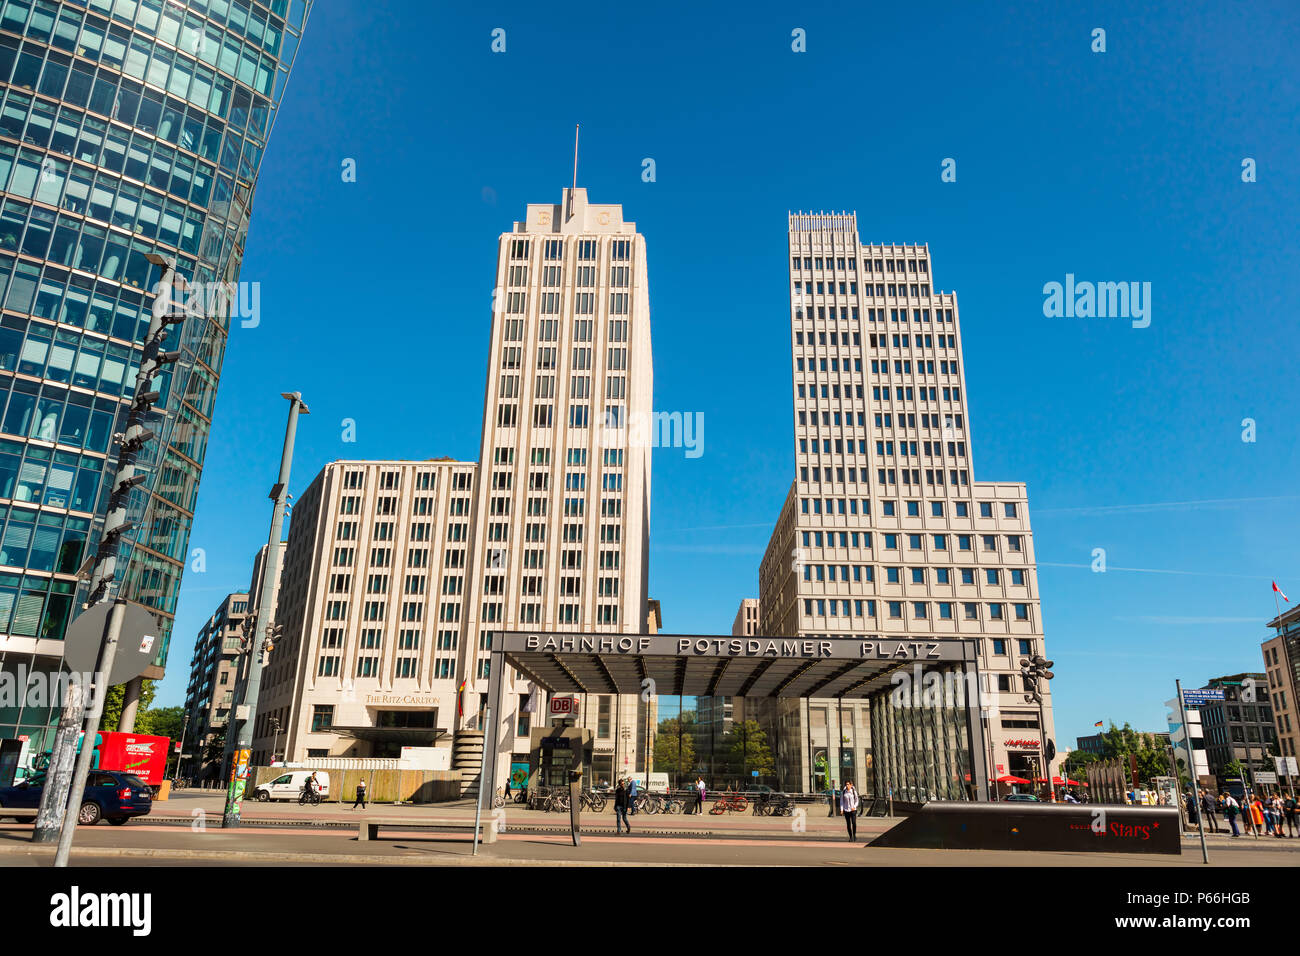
(113, 705)
(674, 750)
(162, 722)
(1234, 768)
(747, 750)
(214, 750)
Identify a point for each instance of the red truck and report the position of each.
(140, 754)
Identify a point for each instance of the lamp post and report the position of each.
(275, 741)
(1036, 671)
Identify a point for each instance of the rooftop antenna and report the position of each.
(569, 212)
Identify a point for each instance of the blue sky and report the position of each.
(1115, 166)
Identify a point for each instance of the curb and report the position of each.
(252, 856)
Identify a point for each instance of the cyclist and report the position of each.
(309, 788)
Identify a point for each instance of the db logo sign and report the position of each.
(564, 706)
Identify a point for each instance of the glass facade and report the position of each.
(922, 744)
(127, 128)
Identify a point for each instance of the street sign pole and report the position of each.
(240, 741)
(1191, 763)
(108, 650)
(482, 777)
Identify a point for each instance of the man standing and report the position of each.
(1289, 807)
(631, 796)
(699, 794)
(1208, 809)
(849, 807)
(1230, 810)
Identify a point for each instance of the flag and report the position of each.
(460, 698)
(530, 705)
(1279, 591)
(1097, 724)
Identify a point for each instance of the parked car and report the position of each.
(288, 786)
(1021, 798)
(112, 795)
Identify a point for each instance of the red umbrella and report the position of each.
(1010, 779)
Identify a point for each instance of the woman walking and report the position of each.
(620, 807)
(849, 807)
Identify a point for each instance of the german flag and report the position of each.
(1097, 724)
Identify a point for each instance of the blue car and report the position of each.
(110, 795)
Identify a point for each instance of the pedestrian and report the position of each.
(699, 794)
(1208, 810)
(620, 807)
(632, 790)
(849, 807)
(1289, 808)
(1230, 810)
(1278, 816)
(1256, 812)
(361, 795)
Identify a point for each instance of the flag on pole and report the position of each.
(1097, 724)
(1279, 591)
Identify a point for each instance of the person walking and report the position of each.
(361, 795)
(1230, 810)
(620, 808)
(1208, 810)
(1289, 808)
(1256, 812)
(699, 794)
(849, 807)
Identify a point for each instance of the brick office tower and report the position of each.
(563, 508)
(885, 531)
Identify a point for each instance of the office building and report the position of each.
(213, 673)
(886, 531)
(127, 128)
(1282, 665)
(562, 516)
(1239, 727)
(371, 598)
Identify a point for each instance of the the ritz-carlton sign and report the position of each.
(702, 646)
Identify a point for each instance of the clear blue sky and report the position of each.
(1117, 166)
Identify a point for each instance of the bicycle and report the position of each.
(593, 801)
(309, 796)
(729, 801)
(499, 799)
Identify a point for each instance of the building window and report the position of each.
(322, 718)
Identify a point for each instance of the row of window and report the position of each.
(851, 313)
(866, 573)
(869, 264)
(620, 250)
(919, 610)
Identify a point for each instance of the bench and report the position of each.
(369, 828)
(18, 813)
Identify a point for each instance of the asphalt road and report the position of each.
(145, 844)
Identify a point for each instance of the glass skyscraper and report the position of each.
(128, 128)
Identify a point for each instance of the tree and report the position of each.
(674, 750)
(747, 750)
(214, 749)
(113, 702)
(162, 722)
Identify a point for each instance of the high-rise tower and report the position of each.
(562, 530)
(885, 530)
(127, 128)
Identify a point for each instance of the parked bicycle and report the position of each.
(499, 799)
(773, 805)
(593, 801)
(735, 802)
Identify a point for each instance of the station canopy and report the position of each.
(714, 665)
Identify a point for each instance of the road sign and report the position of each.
(1265, 776)
(135, 647)
(1202, 696)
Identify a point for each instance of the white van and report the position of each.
(288, 786)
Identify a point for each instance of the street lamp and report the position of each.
(275, 741)
(1036, 671)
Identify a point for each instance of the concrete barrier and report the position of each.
(1098, 828)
